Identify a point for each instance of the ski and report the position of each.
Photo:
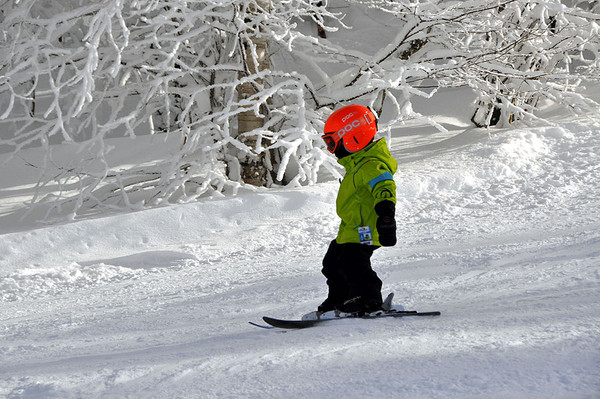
(297, 324)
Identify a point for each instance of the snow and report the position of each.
(498, 230)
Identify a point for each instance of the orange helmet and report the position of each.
(354, 126)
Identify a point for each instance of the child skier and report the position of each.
(366, 203)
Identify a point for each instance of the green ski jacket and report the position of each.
(368, 181)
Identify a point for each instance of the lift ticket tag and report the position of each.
(364, 233)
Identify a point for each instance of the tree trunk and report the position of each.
(253, 168)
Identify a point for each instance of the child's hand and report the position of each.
(386, 224)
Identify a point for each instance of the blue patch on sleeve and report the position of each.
(380, 178)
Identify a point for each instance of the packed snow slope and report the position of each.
(498, 230)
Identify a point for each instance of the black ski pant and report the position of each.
(347, 268)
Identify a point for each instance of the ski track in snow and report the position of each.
(500, 232)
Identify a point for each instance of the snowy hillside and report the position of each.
(499, 231)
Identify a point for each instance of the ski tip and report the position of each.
(260, 325)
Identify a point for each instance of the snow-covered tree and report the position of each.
(531, 51)
(82, 72)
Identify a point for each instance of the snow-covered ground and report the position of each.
(499, 231)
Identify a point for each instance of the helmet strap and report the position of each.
(341, 151)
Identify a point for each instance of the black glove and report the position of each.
(386, 224)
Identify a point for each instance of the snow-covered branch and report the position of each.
(81, 74)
